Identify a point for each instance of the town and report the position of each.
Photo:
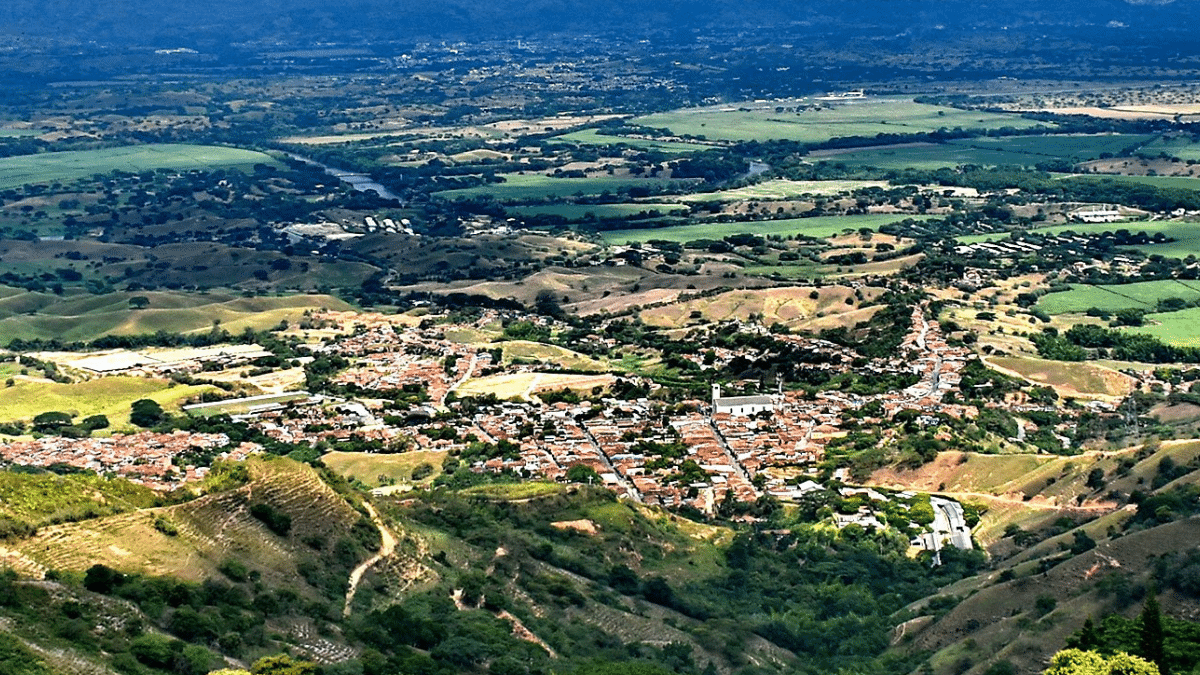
(411, 388)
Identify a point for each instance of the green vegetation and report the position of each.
(596, 137)
(867, 117)
(1173, 328)
(1078, 662)
(34, 316)
(1144, 295)
(108, 396)
(518, 188)
(31, 498)
(72, 165)
(16, 659)
(818, 227)
(585, 212)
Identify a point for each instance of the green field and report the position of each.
(928, 157)
(1014, 150)
(578, 212)
(536, 187)
(783, 189)
(19, 133)
(1178, 146)
(40, 499)
(1183, 182)
(864, 117)
(1176, 328)
(1076, 148)
(821, 227)
(49, 167)
(1138, 295)
(1186, 235)
(594, 137)
(30, 316)
(110, 396)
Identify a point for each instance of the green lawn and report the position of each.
(863, 117)
(1139, 295)
(65, 166)
(825, 226)
(536, 187)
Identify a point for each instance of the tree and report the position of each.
(139, 302)
(1079, 662)
(582, 473)
(146, 413)
(282, 664)
(94, 422)
(1151, 637)
(51, 421)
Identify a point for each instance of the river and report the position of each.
(359, 181)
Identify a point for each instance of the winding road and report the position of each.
(386, 548)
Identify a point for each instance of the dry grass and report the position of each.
(370, 468)
(793, 307)
(1076, 380)
(526, 385)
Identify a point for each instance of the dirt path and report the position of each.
(466, 376)
(387, 547)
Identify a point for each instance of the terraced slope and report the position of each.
(210, 529)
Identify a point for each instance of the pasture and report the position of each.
(519, 187)
(583, 212)
(784, 189)
(72, 165)
(818, 228)
(794, 307)
(1182, 182)
(1076, 148)
(594, 137)
(1080, 380)
(1175, 146)
(524, 351)
(1186, 235)
(377, 469)
(527, 385)
(109, 396)
(859, 117)
(1138, 295)
(27, 316)
(1175, 328)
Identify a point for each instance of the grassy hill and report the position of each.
(208, 530)
(44, 316)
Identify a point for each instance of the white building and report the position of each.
(740, 406)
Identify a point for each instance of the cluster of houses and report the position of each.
(147, 458)
(698, 453)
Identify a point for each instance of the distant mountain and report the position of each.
(187, 23)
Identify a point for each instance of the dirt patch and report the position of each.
(585, 526)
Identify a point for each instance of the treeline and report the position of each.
(1085, 341)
